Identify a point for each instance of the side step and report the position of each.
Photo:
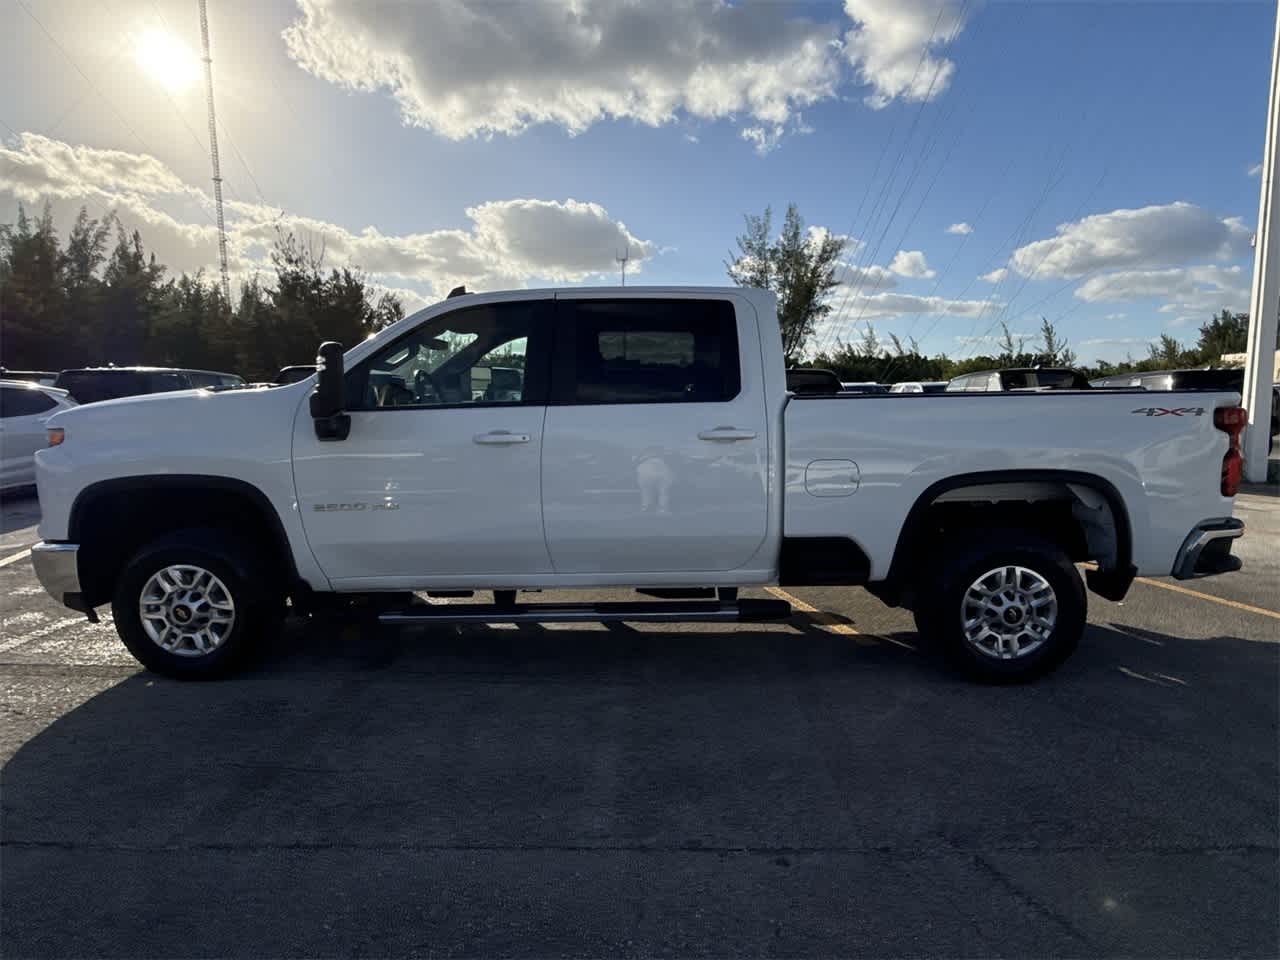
(715, 611)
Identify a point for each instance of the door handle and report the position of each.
(497, 438)
(726, 434)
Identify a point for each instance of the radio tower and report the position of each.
(213, 153)
(622, 263)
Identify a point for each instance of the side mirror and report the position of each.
(329, 397)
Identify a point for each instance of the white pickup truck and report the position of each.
(620, 437)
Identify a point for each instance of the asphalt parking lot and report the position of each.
(823, 787)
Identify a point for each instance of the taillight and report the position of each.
(56, 435)
(1231, 421)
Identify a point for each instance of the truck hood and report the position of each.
(177, 420)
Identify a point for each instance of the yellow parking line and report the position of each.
(15, 557)
(792, 599)
(1247, 607)
(827, 621)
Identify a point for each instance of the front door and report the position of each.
(656, 444)
(439, 476)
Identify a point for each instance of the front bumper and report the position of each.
(1207, 549)
(57, 569)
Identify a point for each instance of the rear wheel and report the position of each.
(1006, 610)
(194, 603)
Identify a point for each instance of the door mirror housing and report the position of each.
(329, 399)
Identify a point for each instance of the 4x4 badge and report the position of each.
(1170, 411)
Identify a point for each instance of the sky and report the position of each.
(988, 162)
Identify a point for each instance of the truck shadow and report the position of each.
(485, 790)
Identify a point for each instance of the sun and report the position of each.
(166, 59)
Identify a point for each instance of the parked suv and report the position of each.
(24, 409)
(91, 384)
(1020, 378)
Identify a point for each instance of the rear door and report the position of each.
(23, 413)
(655, 449)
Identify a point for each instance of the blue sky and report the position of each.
(1098, 152)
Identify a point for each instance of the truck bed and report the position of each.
(859, 463)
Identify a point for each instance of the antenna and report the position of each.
(622, 262)
(213, 152)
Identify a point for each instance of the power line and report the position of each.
(869, 253)
(852, 267)
(84, 76)
(93, 86)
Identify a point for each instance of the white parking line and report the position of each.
(15, 557)
(44, 631)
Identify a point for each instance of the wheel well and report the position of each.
(113, 520)
(1083, 514)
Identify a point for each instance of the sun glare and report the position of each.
(166, 59)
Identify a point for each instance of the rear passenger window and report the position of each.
(23, 402)
(647, 351)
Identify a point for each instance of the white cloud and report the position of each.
(865, 279)
(1115, 316)
(878, 305)
(763, 140)
(1117, 341)
(911, 263)
(1197, 290)
(469, 67)
(892, 46)
(960, 229)
(476, 68)
(995, 339)
(507, 243)
(995, 276)
(1256, 170)
(1146, 237)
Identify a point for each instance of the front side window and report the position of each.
(646, 351)
(474, 356)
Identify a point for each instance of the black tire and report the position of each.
(940, 608)
(258, 607)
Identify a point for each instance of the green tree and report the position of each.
(131, 288)
(33, 330)
(798, 266)
(1226, 333)
(84, 331)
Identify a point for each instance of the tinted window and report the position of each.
(16, 402)
(478, 355)
(89, 386)
(165, 382)
(647, 351)
(1013, 380)
(199, 379)
(934, 387)
(1225, 379)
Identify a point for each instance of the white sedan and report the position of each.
(24, 408)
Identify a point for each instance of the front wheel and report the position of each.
(1007, 610)
(193, 604)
